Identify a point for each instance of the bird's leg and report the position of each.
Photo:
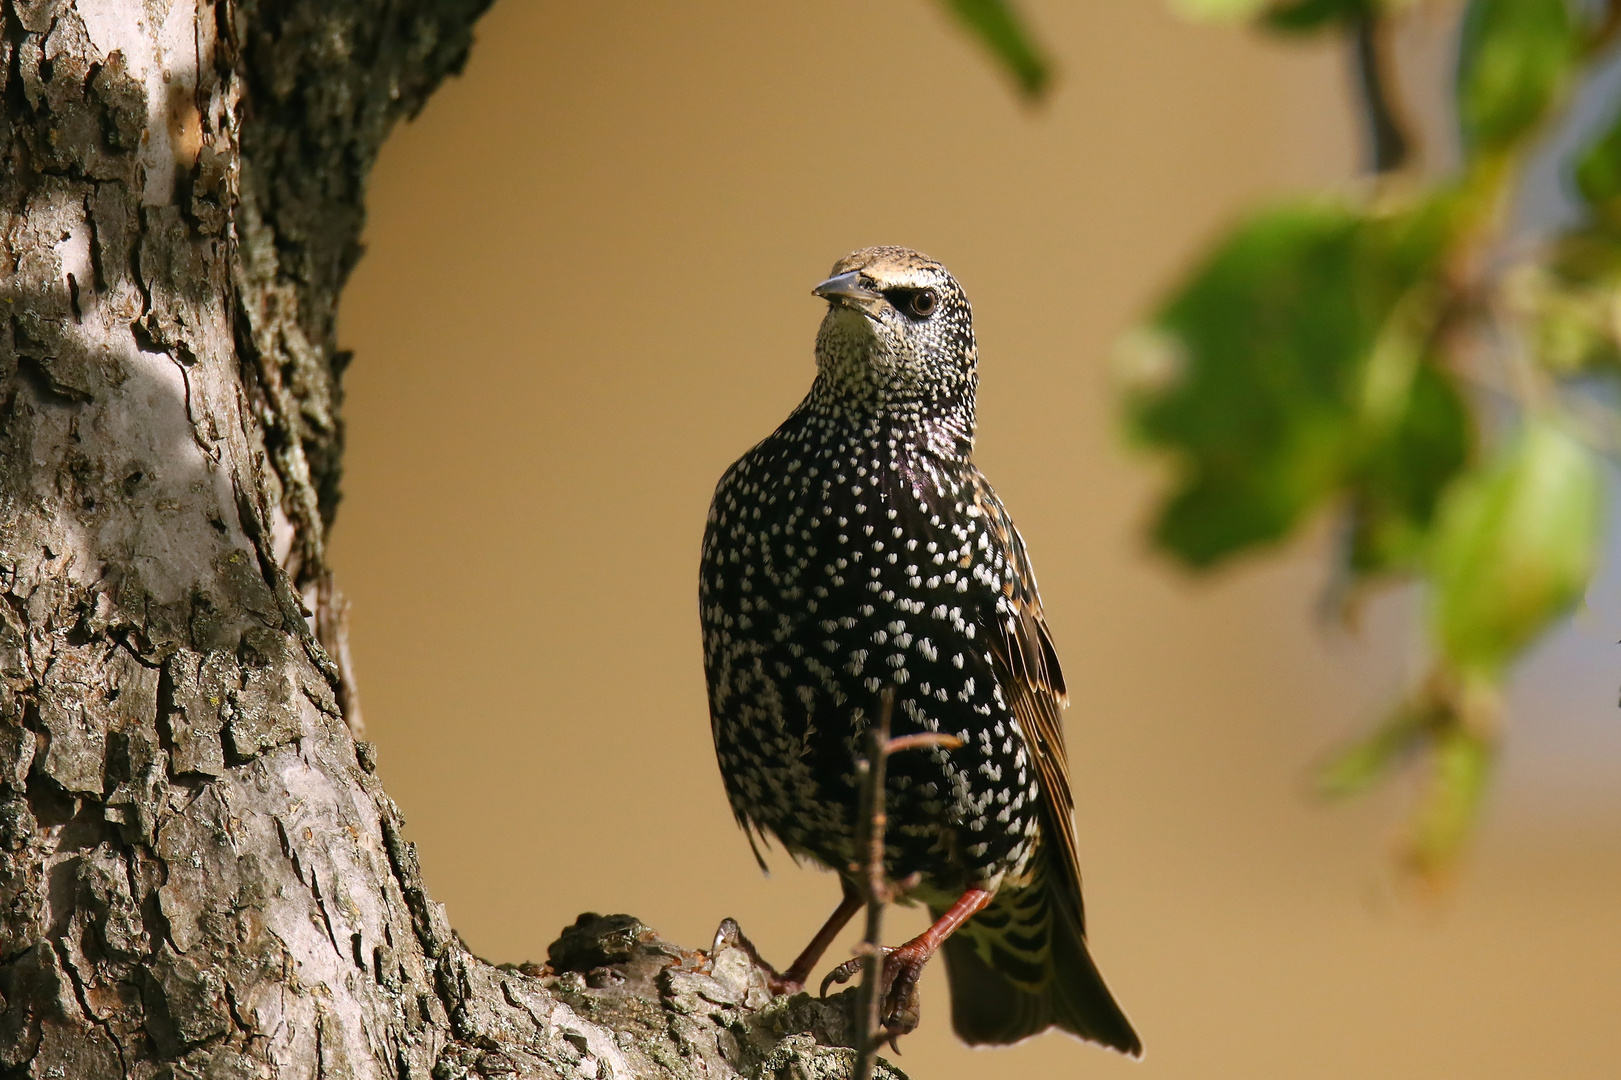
(903, 965)
(792, 981)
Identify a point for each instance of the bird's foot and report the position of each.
(899, 1007)
(730, 936)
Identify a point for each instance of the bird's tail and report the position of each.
(1021, 966)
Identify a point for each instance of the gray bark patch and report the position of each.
(76, 747)
(199, 695)
(267, 710)
(185, 1002)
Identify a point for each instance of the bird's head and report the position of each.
(898, 330)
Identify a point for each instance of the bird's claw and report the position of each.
(844, 972)
(899, 1007)
(727, 934)
(730, 936)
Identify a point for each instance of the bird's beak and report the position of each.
(847, 287)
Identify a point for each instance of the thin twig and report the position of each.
(1391, 145)
(871, 823)
(920, 740)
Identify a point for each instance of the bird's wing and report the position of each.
(1030, 677)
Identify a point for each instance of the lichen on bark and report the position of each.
(200, 872)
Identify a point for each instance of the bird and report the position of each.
(857, 552)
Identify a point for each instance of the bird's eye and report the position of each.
(918, 303)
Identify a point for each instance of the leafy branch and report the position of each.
(1402, 360)
(1330, 354)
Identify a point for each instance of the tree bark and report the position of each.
(200, 873)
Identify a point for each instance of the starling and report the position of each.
(858, 549)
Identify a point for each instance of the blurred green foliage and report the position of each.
(999, 28)
(1406, 359)
(1514, 57)
(1298, 375)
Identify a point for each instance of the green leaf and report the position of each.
(1462, 764)
(1285, 16)
(1452, 721)
(1270, 337)
(1513, 62)
(999, 28)
(1398, 483)
(1219, 10)
(1598, 175)
(1359, 766)
(1308, 16)
(1514, 548)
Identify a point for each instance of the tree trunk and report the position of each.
(200, 875)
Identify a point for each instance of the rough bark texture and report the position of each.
(200, 874)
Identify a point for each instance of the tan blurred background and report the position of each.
(587, 292)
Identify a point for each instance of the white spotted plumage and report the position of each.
(858, 548)
(867, 470)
